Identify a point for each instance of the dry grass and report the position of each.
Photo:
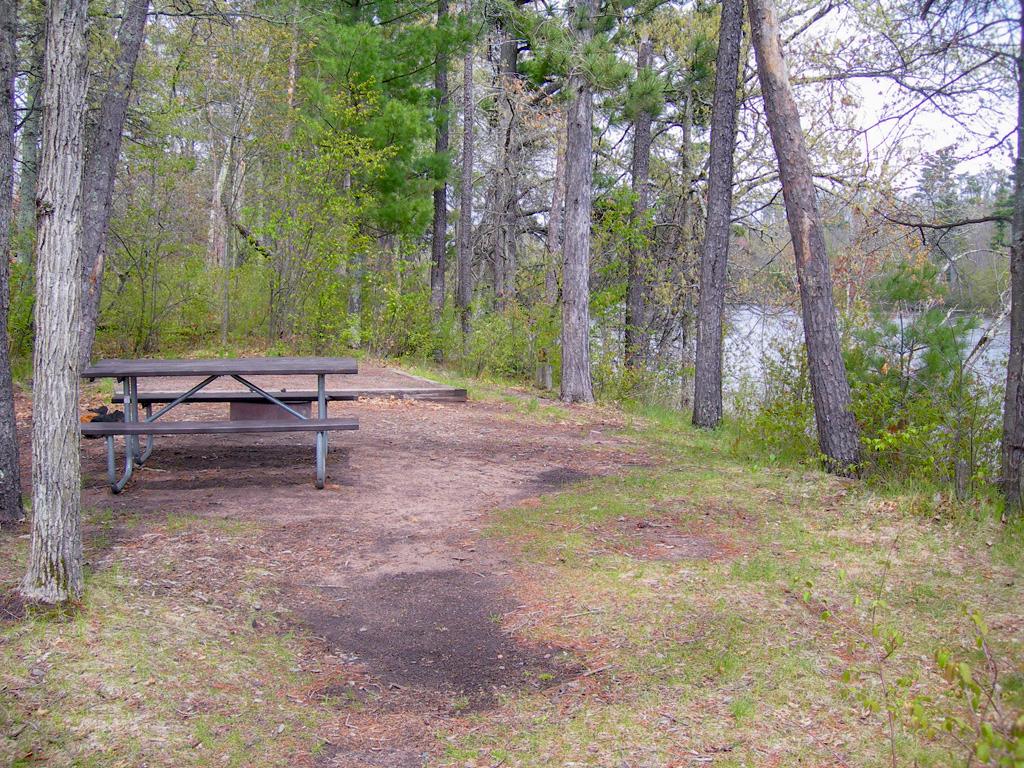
(690, 593)
(723, 657)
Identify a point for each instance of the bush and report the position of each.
(511, 343)
(924, 412)
(158, 305)
(778, 423)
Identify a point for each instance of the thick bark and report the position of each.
(707, 385)
(55, 561)
(553, 242)
(10, 482)
(1013, 406)
(101, 167)
(576, 382)
(830, 390)
(506, 197)
(464, 288)
(684, 269)
(438, 244)
(635, 333)
(30, 152)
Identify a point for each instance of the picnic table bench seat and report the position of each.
(132, 429)
(448, 394)
(111, 428)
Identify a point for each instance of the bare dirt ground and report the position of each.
(386, 566)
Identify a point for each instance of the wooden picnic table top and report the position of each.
(224, 366)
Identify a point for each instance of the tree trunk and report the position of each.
(1013, 406)
(576, 383)
(465, 255)
(30, 151)
(217, 230)
(55, 561)
(707, 386)
(837, 428)
(217, 238)
(506, 196)
(553, 243)
(440, 230)
(101, 167)
(635, 333)
(684, 268)
(293, 75)
(10, 481)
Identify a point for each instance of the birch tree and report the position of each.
(55, 559)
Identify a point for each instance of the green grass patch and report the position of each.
(125, 679)
(739, 658)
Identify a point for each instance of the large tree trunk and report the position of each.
(440, 230)
(707, 385)
(553, 242)
(464, 288)
(635, 334)
(837, 428)
(30, 149)
(576, 383)
(101, 167)
(10, 482)
(684, 268)
(506, 198)
(55, 561)
(1013, 406)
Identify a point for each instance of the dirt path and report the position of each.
(386, 564)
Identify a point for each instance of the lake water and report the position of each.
(754, 336)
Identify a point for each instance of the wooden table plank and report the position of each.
(245, 366)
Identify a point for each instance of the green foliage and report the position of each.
(646, 93)
(397, 323)
(984, 288)
(922, 409)
(654, 384)
(158, 305)
(20, 319)
(512, 342)
(776, 421)
(969, 699)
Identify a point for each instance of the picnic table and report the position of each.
(281, 411)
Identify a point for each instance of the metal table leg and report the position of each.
(321, 437)
(131, 416)
(116, 486)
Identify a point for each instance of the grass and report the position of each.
(139, 674)
(750, 651)
(728, 659)
(124, 678)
